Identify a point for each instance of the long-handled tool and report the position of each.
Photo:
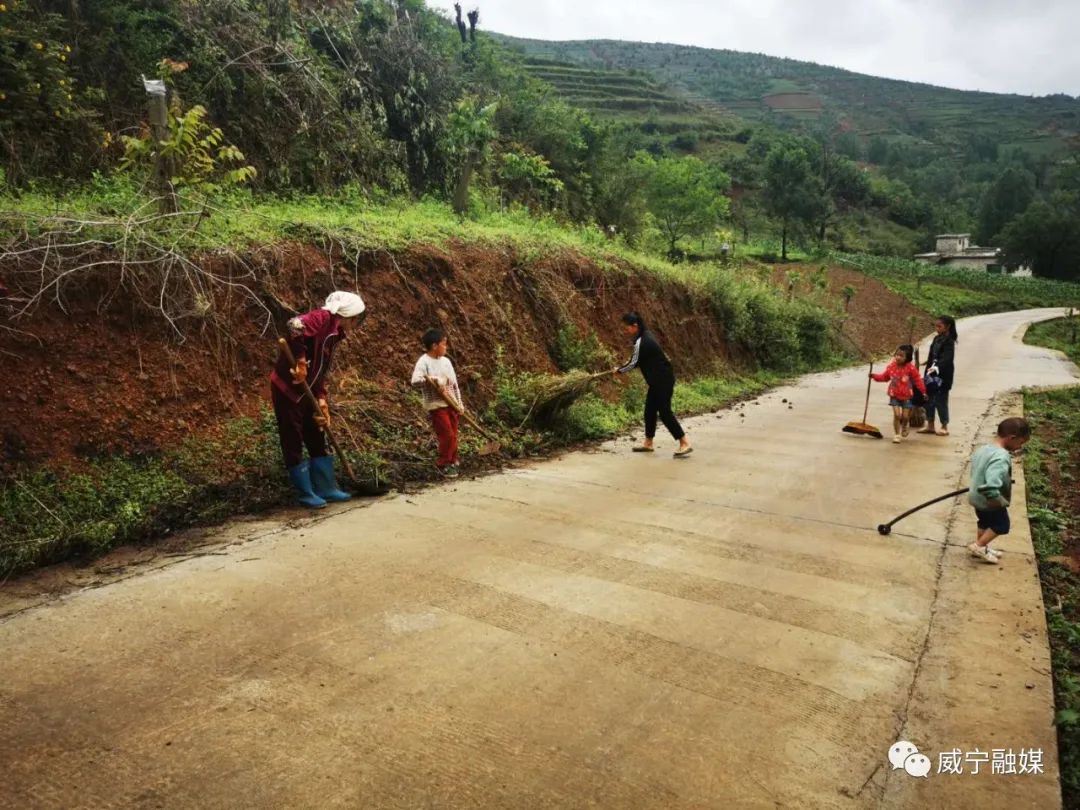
(863, 428)
(886, 528)
(284, 344)
(493, 445)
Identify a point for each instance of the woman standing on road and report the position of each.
(313, 337)
(941, 363)
(659, 376)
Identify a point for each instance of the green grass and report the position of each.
(782, 335)
(592, 418)
(46, 516)
(1062, 334)
(940, 290)
(241, 222)
(1051, 468)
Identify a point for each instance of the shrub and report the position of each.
(572, 351)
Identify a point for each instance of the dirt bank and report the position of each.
(107, 377)
(876, 320)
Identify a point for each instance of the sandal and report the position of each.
(942, 432)
(683, 453)
(640, 449)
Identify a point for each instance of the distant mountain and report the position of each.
(760, 87)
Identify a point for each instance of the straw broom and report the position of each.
(552, 395)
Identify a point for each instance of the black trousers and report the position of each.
(658, 402)
(297, 428)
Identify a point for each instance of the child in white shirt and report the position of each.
(433, 375)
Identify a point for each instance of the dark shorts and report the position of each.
(997, 520)
(900, 403)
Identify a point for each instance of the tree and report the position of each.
(529, 179)
(1047, 236)
(618, 197)
(685, 195)
(470, 130)
(793, 193)
(1009, 196)
(843, 184)
(43, 124)
(878, 150)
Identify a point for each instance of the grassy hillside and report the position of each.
(762, 87)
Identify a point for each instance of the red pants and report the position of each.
(297, 428)
(445, 422)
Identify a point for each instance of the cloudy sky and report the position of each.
(1007, 46)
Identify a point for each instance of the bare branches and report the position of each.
(142, 254)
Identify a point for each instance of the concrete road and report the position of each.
(603, 630)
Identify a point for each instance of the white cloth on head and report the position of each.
(345, 304)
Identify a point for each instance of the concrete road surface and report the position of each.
(603, 630)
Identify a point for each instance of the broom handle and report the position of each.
(457, 406)
(284, 344)
(869, 383)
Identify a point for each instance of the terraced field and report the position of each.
(633, 97)
(741, 83)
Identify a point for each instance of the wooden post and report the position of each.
(159, 131)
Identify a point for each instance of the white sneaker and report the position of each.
(984, 553)
(896, 440)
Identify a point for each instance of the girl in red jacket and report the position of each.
(903, 378)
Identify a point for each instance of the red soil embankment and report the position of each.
(105, 377)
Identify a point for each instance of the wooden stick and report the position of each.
(869, 384)
(284, 344)
(457, 406)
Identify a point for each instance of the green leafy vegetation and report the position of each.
(593, 418)
(941, 290)
(49, 516)
(574, 351)
(1062, 334)
(1051, 469)
(194, 155)
(385, 96)
(935, 160)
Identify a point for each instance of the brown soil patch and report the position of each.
(104, 378)
(877, 319)
(793, 101)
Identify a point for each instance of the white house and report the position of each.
(956, 250)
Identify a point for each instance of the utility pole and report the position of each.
(159, 131)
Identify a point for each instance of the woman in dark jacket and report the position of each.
(942, 358)
(659, 376)
(313, 337)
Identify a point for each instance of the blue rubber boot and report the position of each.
(300, 478)
(323, 482)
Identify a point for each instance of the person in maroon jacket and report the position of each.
(313, 337)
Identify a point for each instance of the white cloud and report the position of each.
(994, 45)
